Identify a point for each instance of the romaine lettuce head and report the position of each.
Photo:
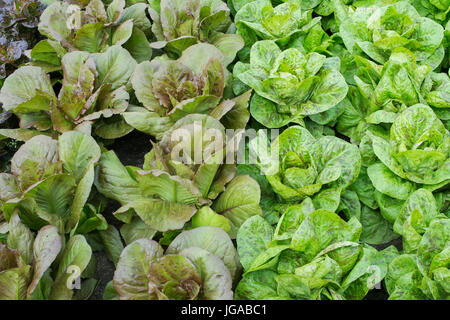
(308, 165)
(312, 254)
(92, 26)
(437, 10)
(383, 92)
(400, 83)
(415, 217)
(179, 24)
(199, 265)
(423, 275)
(288, 84)
(39, 266)
(417, 150)
(171, 89)
(50, 181)
(379, 29)
(285, 23)
(93, 94)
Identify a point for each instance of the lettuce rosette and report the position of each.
(308, 167)
(171, 189)
(310, 255)
(50, 183)
(287, 23)
(172, 89)
(92, 96)
(40, 266)
(422, 274)
(179, 24)
(91, 26)
(382, 93)
(288, 84)
(199, 264)
(376, 31)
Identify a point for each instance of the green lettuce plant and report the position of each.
(415, 217)
(379, 29)
(310, 255)
(383, 92)
(437, 10)
(288, 84)
(171, 89)
(178, 24)
(287, 24)
(200, 264)
(93, 94)
(424, 273)
(309, 167)
(415, 153)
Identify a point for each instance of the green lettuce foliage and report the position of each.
(309, 167)
(288, 84)
(416, 152)
(40, 266)
(171, 89)
(379, 29)
(422, 273)
(200, 264)
(383, 92)
(310, 255)
(93, 94)
(437, 10)
(287, 23)
(170, 190)
(179, 24)
(92, 27)
(50, 183)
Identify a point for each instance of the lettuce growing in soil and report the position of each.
(105, 105)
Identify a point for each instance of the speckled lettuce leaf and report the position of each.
(298, 84)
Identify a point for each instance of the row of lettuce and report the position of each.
(359, 89)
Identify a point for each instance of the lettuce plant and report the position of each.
(309, 167)
(38, 267)
(50, 183)
(383, 92)
(200, 264)
(284, 23)
(194, 83)
(379, 29)
(93, 94)
(92, 28)
(311, 254)
(170, 190)
(415, 217)
(422, 274)
(415, 153)
(437, 10)
(360, 91)
(288, 84)
(178, 24)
